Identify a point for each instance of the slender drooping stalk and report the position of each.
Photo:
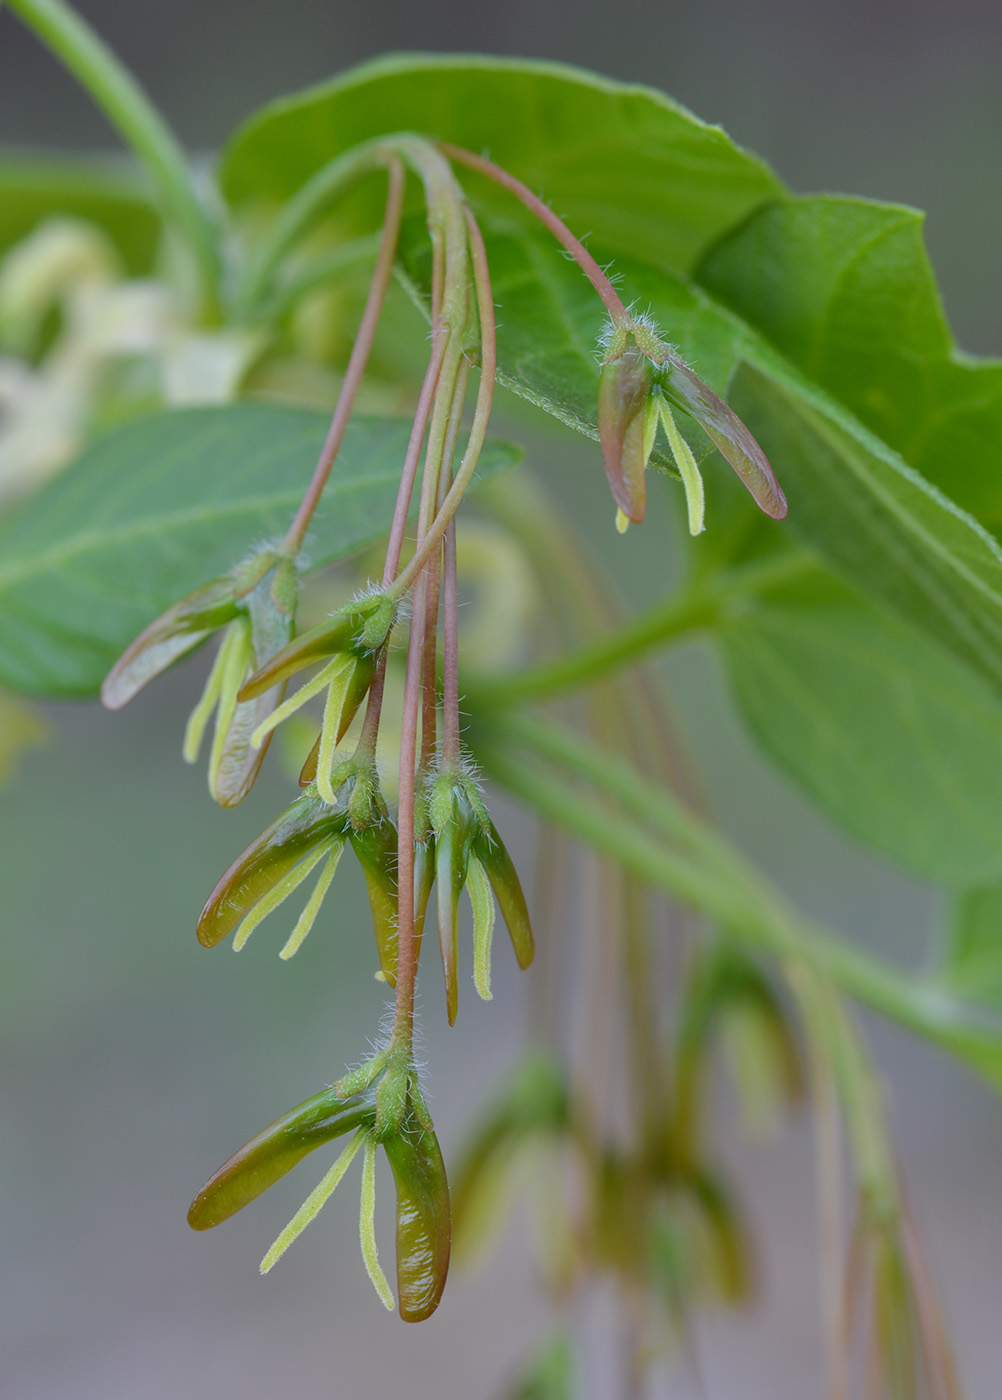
(450, 653)
(481, 416)
(450, 637)
(720, 883)
(420, 683)
(403, 1021)
(358, 360)
(596, 276)
(441, 334)
(408, 476)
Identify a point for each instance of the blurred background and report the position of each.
(132, 1062)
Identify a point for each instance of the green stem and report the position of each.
(680, 616)
(742, 902)
(650, 801)
(299, 212)
(838, 1046)
(141, 126)
(698, 608)
(481, 415)
(312, 199)
(595, 274)
(318, 273)
(364, 337)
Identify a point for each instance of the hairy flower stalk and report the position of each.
(481, 415)
(626, 426)
(442, 830)
(358, 359)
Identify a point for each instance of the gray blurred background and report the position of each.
(131, 1061)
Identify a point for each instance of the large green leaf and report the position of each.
(622, 162)
(899, 742)
(165, 503)
(104, 193)
(844, 288)
(878, 521)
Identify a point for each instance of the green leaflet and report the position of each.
(159, 506)
(881, 524)
(890, 735)
(622, 161)
(105, 192)
(844, 288)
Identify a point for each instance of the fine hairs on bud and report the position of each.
(606, 336)
(372, 589)
(264, 544)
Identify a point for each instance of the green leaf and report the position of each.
(844, 288)
(973, 963)
(161, 505)
(104, 193)
(890, 735)
(880, 523)
(624, 162)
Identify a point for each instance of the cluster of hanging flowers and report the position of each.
(441, 836)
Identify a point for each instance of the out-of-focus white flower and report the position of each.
(202, 368)
(105, 319)
(60, 261)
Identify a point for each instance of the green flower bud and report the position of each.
(532, 1107)
(729, 997)
(359, 628)
(492, 854)
(349, 643)
(271, 868)
(469, 854)
(424, 1224)
(641, 378)
(255, 604)
(454, 823)
(274, 1152)
(624, 392)
(393, 1116)
(375, 849)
